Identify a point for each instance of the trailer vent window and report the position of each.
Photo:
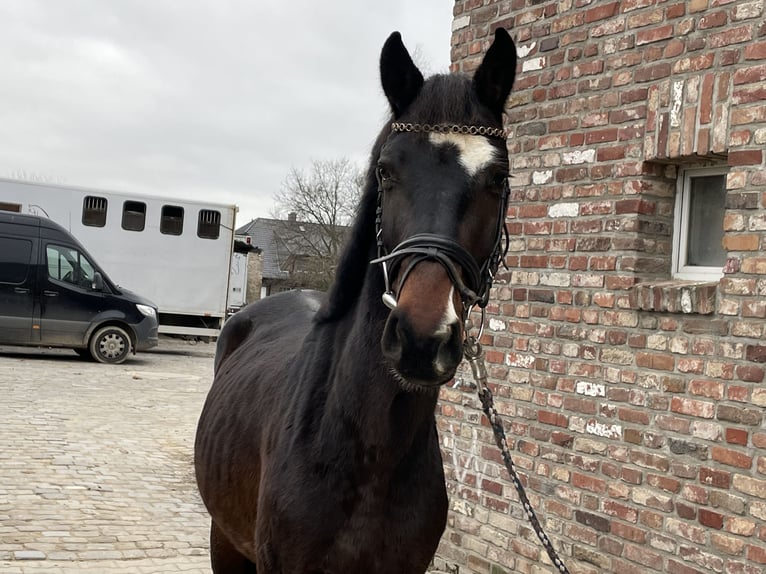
(15, 207)
(94, 211)
(209, 224)
(133, 215)
(172, 220)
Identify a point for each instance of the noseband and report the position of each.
(476, 280)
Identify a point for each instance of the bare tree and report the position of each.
(316, 208)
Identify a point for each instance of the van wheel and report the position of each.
(110, 345)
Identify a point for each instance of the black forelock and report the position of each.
(448, 99)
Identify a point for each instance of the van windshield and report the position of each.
(69, 265)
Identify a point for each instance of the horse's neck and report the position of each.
(363, 390)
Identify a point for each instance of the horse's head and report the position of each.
(442, 189)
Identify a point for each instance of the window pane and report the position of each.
(133, 215)
(14, 260)
(69, 265)
(94, 211)
(59, 261)
(15, 207)
(209, 223)
(706, 210)
(172, 220)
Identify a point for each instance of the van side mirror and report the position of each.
(98, 282)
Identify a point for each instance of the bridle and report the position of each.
(475, 281)
(474, 287)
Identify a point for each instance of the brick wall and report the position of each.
(634, 403)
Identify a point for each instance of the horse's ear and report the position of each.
(400, 77)
(494, 78)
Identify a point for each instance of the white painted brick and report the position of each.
(603, 430)
(541, 177)
(579, 156)
(461, 22)
(555, 279)
(677, 102)
(520, 360)
(590, 389)
(533, 64)
(525, 50)
(564, 210)
(496, 325)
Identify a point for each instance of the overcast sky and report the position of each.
(212, 100)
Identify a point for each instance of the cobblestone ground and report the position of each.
(96, 462)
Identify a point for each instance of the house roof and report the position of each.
(280, 239)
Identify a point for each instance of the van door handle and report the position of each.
(21, 290)
(51, 293)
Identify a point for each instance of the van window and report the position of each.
(69, 265)
(208, 224)
(133, 215)
(94, 211)
(14, 260)
(172, 220)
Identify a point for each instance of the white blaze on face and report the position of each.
(449, 319)
(474, 152)
(450, 315)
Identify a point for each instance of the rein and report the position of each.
(474, 288)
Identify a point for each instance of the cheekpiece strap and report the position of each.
(487, 131)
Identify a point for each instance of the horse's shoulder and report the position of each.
(277, 314)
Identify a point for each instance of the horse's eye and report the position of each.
(383, 173)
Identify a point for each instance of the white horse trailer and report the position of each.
(177, 253)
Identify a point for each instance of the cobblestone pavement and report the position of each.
(96, 462)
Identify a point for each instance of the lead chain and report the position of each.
(473, 353)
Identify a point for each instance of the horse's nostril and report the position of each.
(392, 339)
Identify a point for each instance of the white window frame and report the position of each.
(681, 227)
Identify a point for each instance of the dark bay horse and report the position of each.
(316, 450)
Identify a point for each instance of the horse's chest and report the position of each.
(369, 529)
(383, 541)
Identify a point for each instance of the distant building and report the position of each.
(295, 254)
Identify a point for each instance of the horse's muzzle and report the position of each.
(422, 359)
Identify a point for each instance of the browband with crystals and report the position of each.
(450, 129)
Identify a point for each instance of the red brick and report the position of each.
(715, 477)
(600, 136)
(710, 518)
(712, 20)
(750, 374)
(745, 157)
(756, 554)
(655, 361)
(602, 12)
(736, 436)
(755, 51)
(730, 36)
(628, 532)
(654, 35)
(731, 457)
(693, 407)
(551, 418)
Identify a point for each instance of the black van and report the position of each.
(54, 294)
